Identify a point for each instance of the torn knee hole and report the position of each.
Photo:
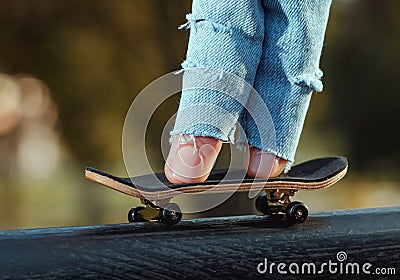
(193, 23)
(312, 81)
(189, 64)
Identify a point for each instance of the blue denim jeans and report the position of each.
(275, 46)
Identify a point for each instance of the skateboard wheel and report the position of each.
(262, 204)
(171, 214)
(296, 212)
(134, 215)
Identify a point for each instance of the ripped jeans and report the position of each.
(275, 46)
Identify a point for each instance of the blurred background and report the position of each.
(69, 71)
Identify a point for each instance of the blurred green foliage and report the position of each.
(95, 56)
(362, 60)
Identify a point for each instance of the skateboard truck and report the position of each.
(273, 202)
(162, 211)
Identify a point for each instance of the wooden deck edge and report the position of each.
(245, 187)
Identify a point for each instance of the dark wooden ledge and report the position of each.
(216, 248)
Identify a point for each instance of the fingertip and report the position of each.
(191, 162)
(261, 164)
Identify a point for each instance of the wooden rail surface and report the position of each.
(227, 248)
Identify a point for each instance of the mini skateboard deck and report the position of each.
(155, 191)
